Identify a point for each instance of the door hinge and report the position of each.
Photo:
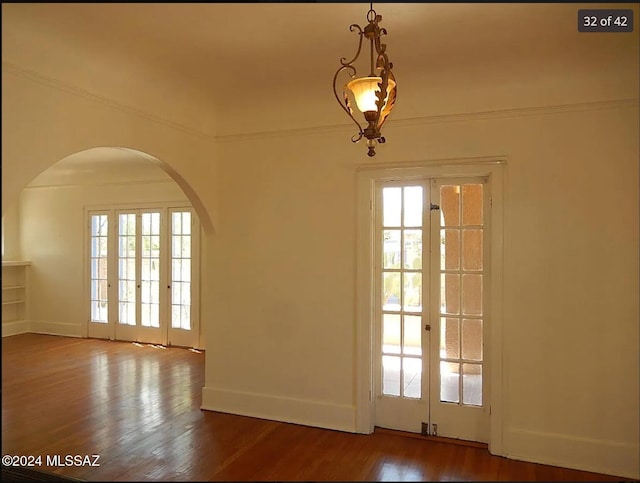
(490, 202)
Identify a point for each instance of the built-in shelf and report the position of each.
(15, 263)
(11, 302)
(14, 296)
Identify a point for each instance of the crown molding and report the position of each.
(327, 129)
(445, 118)
(42, 79)
(519, 112)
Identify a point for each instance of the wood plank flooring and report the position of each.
(138, 408)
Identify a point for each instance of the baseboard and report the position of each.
(15, 327)
(597, 456)
(288, 410)
(56, 328)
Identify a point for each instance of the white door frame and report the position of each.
(367, 176)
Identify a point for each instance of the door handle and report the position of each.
(427, 327)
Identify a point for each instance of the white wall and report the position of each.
(283, 345)
(284, 339)
(53, 235)
(11, 231)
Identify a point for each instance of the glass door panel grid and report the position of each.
(99, 281)
(461, 293)
(402, 291)
(150, 270)
(181, 270)
(127, 269)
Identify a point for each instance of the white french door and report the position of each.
(184, 301)
(143, 275)
(431, 252)
(138, 256)
(402, 230)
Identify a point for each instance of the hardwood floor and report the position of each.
(138, 408)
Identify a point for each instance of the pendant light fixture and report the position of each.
(375, 94)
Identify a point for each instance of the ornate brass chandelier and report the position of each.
(375, 94)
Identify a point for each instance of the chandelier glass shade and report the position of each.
(365, 91)
(374, 94)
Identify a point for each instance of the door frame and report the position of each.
(493, 168)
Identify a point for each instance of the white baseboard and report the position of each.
(288, 410)
(585, 454)
(15, 327)
(56, 328)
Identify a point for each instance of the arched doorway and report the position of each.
(58, 213)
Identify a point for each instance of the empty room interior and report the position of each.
(321, 241)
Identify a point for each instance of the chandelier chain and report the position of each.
(371, 14)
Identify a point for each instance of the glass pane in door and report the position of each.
(391, 206)
(412, 294)
(391, 333)
(413, 249)
(391, 291)
(412, 341)
(412, 206)
(472, 339)
(391, 249)
(412, 376)
(472, 249)
(472, 213)
(449, 338)
(472, 384)
(449, 382)
(450, 205)
(391, 375)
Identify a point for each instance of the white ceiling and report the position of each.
(240, 50)
(225, 68)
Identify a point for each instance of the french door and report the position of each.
(143, 275)
(138, 277)
(430, 254)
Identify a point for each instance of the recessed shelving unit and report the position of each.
(14, 297)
